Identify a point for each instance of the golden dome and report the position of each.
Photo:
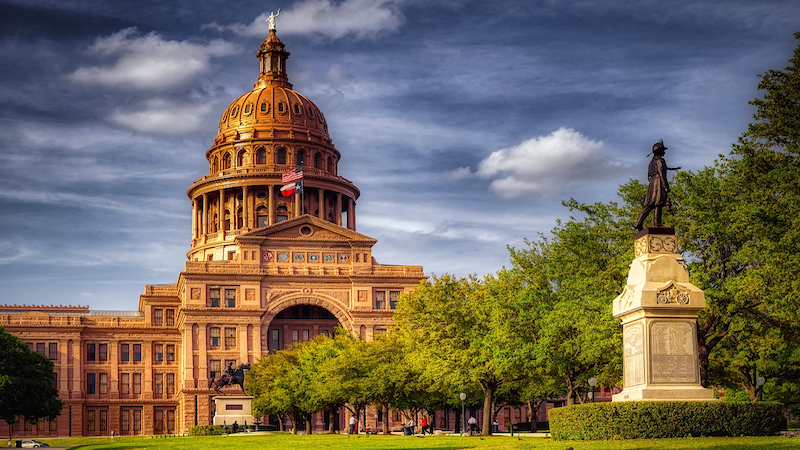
(272, 102)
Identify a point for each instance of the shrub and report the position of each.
(656, 419)
(206, 430)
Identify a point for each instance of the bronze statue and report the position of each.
(229, 377)
(659, 187)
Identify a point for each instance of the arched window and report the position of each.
(214, 164)
(281, 156)
(301, 156)
(240, 158)
(261, 156)
(316, 160)
(330, 165)
(227, 223)
(262, 216)
(226, 161)
(283, 213)
(239, 219)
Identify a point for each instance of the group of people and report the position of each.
(425, 427)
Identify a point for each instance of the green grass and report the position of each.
(280, 441)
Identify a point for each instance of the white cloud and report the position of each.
(328, 18)
(164, 118)
(546, 164)
(148, 62)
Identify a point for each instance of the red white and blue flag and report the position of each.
(292, 175)
(292, 188)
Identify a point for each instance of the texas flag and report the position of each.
(292, 175)
(292, 188)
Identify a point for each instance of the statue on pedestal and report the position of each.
(658, 188)
(271, 19)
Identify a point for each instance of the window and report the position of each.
(137, 420)
(103, 383)
(137, 352)
(230, 337)
(125, 352)
(393, 296)
(276, 340)
(170, 314)
(306, 335)
(379, 331)
(281, 156)
(280, 106)
(248, 108)
(296, 108)
(261, 156)
(170, 352)
(301, 156)
(158, 417)
(137, 383)
(325, 333)
(158, 352)
(295, 336)
(214, 297)
(262, 217)
(214, 335)
(124, 419)
(240, 158)
(90, 352)
(40, 347)
(330, 165)
(215, 366)
(170, 383)
(158, 383)
(230, 298)
(380, 299)
(53, 425)
(103, 352)
(124, 383)
(53, 351)
(283, 213)
(263, 106)
(158, 317)
(90, 420)
(316, 160)
(90, 383)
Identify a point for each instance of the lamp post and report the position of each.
(592, 383)
(463, 397)
(760, 383)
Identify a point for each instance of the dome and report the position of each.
(272, 103)
(268, 106)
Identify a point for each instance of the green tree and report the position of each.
(26, 383)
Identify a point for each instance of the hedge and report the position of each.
(214, 430)
(657, 419)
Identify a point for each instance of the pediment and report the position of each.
(307, 228)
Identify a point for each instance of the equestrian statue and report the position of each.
(230, 376)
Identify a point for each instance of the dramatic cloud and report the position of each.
(327, 18)
(158, 116)
(148, 62)
(544, 164)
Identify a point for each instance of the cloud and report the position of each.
(148, 62)
(158, 116)
(546, 164)
(328, 18)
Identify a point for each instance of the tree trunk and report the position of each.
(385, 418)
(308, 417)
(488, 399)
(280, 423)
(457, 426)
(533, 413)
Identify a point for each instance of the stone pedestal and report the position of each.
(233, 408)
(658, 308)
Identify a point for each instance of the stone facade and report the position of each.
(264, 272)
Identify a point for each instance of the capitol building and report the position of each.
(272, 262)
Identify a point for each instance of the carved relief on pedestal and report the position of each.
(195, 293)
(674, 293)
(250, 295)
(626, 298)
(633, 348)
(655, 243)
(362, 296)
(672, 352)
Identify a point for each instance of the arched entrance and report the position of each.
(299, 323)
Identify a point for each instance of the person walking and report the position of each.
(473, 425)
(352, 425)
(423, 424)
(411, 425)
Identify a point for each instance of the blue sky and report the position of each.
(464, 124)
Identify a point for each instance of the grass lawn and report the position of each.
(280, 441)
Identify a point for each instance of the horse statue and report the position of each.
(230, 377)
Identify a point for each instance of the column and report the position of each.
(63, 358)
(271, 205)
(338, 212)
(257, 341)
(187, 359)
(322, 203)
(245, 209)
(202, 341)
(77, 370)
(194, 219)
(147, 376)
(351, 214)
(221, 211)
(113, 376)
(204, 218)
(242, 331)
(297, 207)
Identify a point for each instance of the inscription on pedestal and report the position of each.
(633, 346)
(673, 357)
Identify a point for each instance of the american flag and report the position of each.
(292, 175)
